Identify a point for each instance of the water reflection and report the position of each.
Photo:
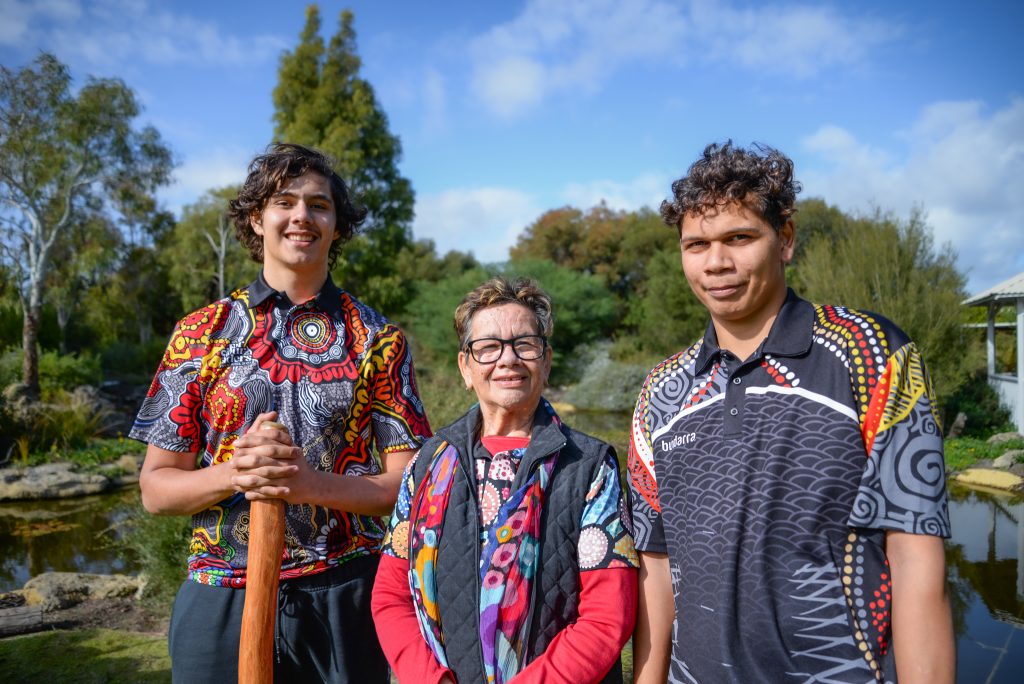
(986, 576)
(65, 535)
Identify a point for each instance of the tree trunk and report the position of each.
(63, 318)
(30, 347)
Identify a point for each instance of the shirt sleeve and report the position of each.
(605, 541)
(399, 419)
(397, 627)
(171, 413)
(904, 482)
(587, 649)
(644, 507)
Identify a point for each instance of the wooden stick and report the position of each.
(263, 569)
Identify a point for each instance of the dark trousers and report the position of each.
(324, 630)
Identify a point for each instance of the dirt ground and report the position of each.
(116, 613)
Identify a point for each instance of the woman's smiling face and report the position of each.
(508, 384)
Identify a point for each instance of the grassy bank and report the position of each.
(966, 452)
(91, 656)
(107, 656)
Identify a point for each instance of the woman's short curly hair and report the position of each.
(497, 291)
(268, 172)
(760, 178)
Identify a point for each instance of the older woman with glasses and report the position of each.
(506, 558)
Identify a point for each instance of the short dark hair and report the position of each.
(500, 290)
(760, 178)
(268, 172)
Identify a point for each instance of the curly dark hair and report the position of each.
(268, 172)
(760, 178)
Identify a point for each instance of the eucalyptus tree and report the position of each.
(65, 156)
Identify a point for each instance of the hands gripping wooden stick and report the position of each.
(266, 544)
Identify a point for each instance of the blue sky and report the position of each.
(508, 109)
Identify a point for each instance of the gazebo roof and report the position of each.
(1008, 290)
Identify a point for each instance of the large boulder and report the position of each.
(1004, 437)
(49, 481)
(1008, 459)
(56, 590)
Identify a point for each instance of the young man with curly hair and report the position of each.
(786, 470)
(290, 347)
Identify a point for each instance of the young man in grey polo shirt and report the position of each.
(786, 470)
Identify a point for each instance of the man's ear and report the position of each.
(256, 221)
(787, 236)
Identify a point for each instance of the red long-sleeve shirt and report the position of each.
(582, 652)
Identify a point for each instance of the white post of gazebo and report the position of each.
(1019, 418)
(1010, 387)
(990, 340)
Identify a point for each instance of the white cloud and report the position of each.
(964, 167)
(18, 15)
(555, 46)
(647, 190)
(484, 221)
(434, 101)
(798, 40)
(111, 32)
(511, 85)
(196, 175)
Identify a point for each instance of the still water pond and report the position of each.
(64, 535)
(985, 558)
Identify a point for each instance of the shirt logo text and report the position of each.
(678, 440)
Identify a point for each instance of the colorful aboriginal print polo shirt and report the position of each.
(771, 482)
(339, 375)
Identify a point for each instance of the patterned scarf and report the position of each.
(508, 562)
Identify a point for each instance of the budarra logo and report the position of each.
(678, 440)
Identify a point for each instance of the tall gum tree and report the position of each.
(65, 156)
(321, 101)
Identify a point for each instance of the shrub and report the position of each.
(70, 420)
(606, 384)
(980, 404)
(132, 362)
(57, 371)
(443, 394)
(160, 544)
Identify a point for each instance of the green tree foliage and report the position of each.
(890, 266)
(584, 308)
(429, 318)
(612, 245)
(665, 315)
(320, 100)
(63, 157)
(815, 220)
(195, 273)
(81, 263)
(636, 256)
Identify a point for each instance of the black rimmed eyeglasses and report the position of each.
(490, 349)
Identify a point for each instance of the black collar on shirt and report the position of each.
(328, 299)
(546, 437)
(791, 334)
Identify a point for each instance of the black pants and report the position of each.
(324, 630)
